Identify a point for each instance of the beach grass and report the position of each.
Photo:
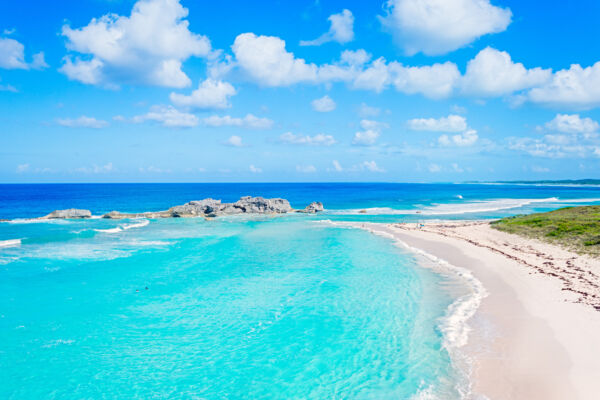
(576, 228)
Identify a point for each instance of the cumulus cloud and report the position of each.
(434, 168)
(211, 94)
(147, 47)
(255, 170)
(234, 141)
(576, 137)
(82, 122)
(97, 169)
(337, 166)
(12, 56)
(265, 59)
(574, 88)
(168, 116)
(316, 140)
(306, 169)
(466, 138)
(341, 30)
(436, 27)
(371, 130)
(493, 73)
(323, 104)
(572, 124)
(21, 168)
(366, 111)
(249, 121)
(371, 166)
(451, 123)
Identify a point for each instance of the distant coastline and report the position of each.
(562, 182)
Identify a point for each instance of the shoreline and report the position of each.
(529, 338)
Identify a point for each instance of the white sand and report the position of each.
(537, 333)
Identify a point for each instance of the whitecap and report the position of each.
(10, 243)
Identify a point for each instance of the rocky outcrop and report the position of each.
(209, 208)
(206, 208)
(313, 208)
(71, 213)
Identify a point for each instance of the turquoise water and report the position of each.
(233, 308)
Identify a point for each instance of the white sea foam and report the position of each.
(455, 324)
(469, 207)
(125, 227)
(10, 243)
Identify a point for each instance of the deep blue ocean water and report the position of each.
(238, 307)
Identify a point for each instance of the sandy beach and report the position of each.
(535, 335)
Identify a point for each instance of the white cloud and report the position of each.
(537, 168)
(306, 169)
(457, 168)
(573, 124)
(370, 133)
(255, 170)
(451, 123)
(249, 121)
(493, 73)
(97, 169)
(435, 81)
(439, 26)
(316, 140)
(22, 168)
(337, 166)
(147, 47)
(168, 116)
(211, 94)
(8, 88)
(12, 56)
(371, 166)
(574, 88)
(366, 111)
(82, 122)
(235, 141)
(265, 59)
(355, 57)
(323, 104)
(466, 138)
(341, 30)
(434, 168)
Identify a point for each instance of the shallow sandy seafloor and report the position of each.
(535, 334)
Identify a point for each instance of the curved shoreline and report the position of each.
(530, 339)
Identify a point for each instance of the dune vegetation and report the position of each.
(576, 228)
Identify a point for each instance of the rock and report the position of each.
(196, 208)
(313, 208)
(260, 205)
(202, 208)
(71, 213)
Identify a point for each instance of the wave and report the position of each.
(454, 326)
(10, 243)
(481, 206)
(125, 227)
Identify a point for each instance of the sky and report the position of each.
(299, 91)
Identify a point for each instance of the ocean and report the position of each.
(243, 307)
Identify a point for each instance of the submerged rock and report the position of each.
(71, 213)
(313, 208)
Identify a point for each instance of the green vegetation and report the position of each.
(576, 228)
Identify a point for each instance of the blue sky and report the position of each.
(398, 90)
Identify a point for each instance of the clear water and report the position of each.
(237, 307)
